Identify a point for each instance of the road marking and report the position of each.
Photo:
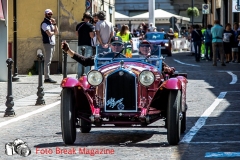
(208, 125)
(186, 63)
(29, 114)
(224, 142)
(222, 154)
(201, 121)
(234, 78)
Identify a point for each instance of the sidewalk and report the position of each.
(24, 94)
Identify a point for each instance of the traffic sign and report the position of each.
(205, 8)
(88, 4)
(235, 5)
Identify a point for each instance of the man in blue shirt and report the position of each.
(217, 42)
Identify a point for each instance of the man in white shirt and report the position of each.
(104, 30)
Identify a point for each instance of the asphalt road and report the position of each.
(213, 124)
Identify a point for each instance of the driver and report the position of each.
(144, 49)
(116, 45)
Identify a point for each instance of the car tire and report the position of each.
(85, 126)
(174, 117)
(68, 121)
(183, 122)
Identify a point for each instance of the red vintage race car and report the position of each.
(124, 92)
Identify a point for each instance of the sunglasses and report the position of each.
(144, 45)
(49, 14)
(116, 44)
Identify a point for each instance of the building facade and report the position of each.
(67, 14)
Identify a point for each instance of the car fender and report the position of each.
(84, 83)
(172, 83)
(69, 82)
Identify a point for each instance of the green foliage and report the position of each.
(193, 11)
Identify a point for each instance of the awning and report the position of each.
(1, 11)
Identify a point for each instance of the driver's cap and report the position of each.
(116, 39)
(144, 43)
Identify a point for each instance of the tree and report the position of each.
(193, 11)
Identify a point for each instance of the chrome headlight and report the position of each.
(166, 44)
(94, 78)
(146, 78)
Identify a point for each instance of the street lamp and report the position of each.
(15, 75)
(192, 13)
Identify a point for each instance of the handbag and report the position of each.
(93, 48)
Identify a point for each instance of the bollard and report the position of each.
(64, 64)
(40, 92)
(9, 103)
(83, 53)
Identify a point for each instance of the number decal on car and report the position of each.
(112, 103)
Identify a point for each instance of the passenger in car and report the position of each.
(89, 61)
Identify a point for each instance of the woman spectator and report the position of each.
(228, 40)
(170, 33)
(125, 34)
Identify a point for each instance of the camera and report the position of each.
(17, 146)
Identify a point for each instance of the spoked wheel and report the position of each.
(85, 126)
(68, 121)
(174, 116)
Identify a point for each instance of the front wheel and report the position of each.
(174, 116)
(68, 122)
(85, 126)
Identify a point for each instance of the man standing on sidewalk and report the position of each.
(104, 30)
(48, 30)
(217, 42)
(85, 33)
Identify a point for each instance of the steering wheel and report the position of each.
(112, 54)
(118, 54)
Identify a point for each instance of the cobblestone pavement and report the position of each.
(219, 132)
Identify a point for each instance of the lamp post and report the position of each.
(192, 13)
(15, 75)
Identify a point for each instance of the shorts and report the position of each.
(234, 49)
(227, 48)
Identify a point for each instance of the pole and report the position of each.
(15, 75)
(151, 8)
(40, 92)
(9, 103)
(192, 13)
(64, 64)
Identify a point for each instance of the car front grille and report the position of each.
(120, 92)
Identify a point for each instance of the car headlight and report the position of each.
(146, 78)
(94, 78)
(166, 44)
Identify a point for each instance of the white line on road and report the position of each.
(186, 63)
(214, 142)
(234, 78)
(201, 121)
(209, 125)
(29, 114)
(222, 154)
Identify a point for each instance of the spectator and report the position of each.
(136, 33)
(115, 31)
(85, 33)
(151, 27)
(217, 42)
(208, 42)
(162, 30)
(197, 40)
(228, 40)
(104, 30)
(175, 34)
(125, 34)
(170, 33)
(95, 20)
(48, 30)
(235, 43)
